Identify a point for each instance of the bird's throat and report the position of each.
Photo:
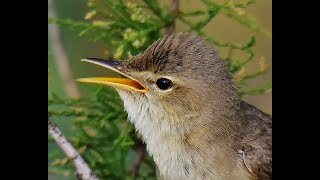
(176, 149)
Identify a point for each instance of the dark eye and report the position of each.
(164, 83)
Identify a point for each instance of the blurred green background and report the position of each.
(221, 27)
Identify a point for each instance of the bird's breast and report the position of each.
(166, 143)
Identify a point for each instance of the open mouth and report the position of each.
(126, 83)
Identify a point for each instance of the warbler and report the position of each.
(181, 98)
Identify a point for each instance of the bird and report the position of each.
(185, 104)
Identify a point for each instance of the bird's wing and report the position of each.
(257, 144)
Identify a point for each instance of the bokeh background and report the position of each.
(77, 48)
(222, 27)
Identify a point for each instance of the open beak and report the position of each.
(126, 83)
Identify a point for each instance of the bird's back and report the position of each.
(257, 141)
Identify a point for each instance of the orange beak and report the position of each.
(127, 83)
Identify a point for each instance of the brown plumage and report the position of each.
(196, 128)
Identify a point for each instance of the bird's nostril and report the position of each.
(116, 63)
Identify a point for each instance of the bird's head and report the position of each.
(177, 79)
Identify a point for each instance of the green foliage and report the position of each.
(101, 133)
(100, 130)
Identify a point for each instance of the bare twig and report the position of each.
(83, 170)
(137, 164)
(175, 11)
(61, 57)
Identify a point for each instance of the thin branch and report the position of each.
(83, 170)
(61, 57)
(137, 164)
(175, 10)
